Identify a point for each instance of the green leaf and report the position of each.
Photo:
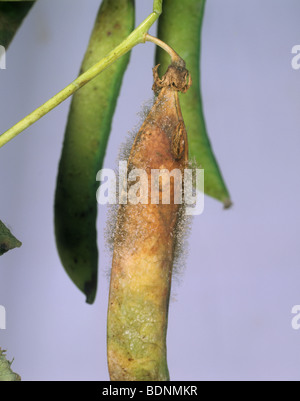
(12, 15)
(7, 240)
(6, 373)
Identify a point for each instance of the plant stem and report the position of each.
(136, 37)
(174, 56)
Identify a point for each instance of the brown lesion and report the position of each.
(179, 141)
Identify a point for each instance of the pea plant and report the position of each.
(146, 233)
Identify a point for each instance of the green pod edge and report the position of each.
(87, 132)
(180, 26)
(12, 15)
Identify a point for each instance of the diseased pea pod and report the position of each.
(145, 241)
(12, 15)
(87, 132)
(180, 26)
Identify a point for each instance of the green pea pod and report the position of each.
(7, 240)
(6, 374)
(180, 27)
(12, 15)
(87, 132)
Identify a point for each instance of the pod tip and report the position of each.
(227, 203)
(90, 298)
(90, 289)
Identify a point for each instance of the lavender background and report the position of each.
(230, 315)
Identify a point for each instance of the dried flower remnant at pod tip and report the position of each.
(145, 241)
(177, 78)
